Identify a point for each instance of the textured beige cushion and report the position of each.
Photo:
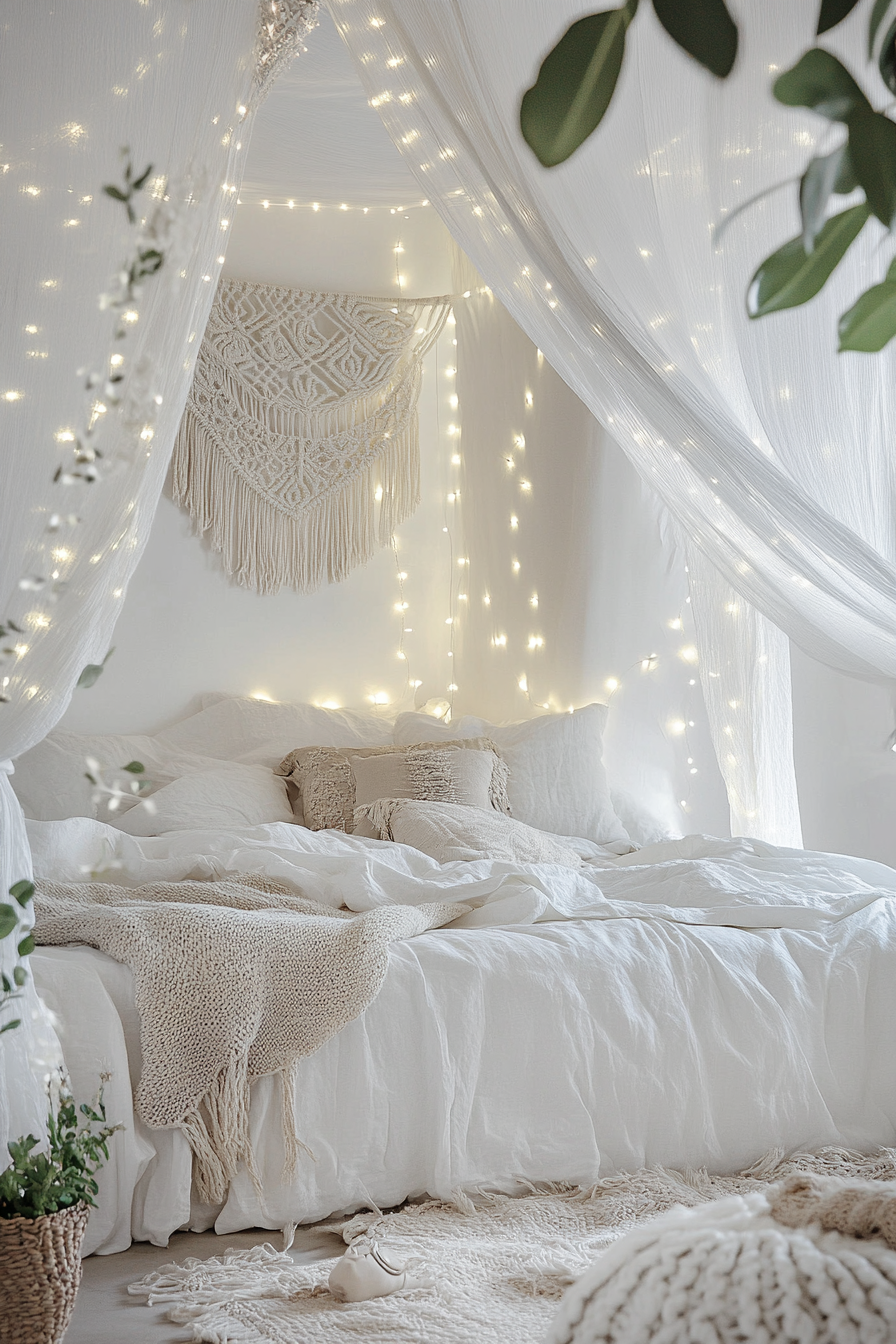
(448, 831)
(328, 778)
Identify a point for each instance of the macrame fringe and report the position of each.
(265, 549)
(219, 1136)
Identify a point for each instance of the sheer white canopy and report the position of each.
(773, 453)
(79, 81)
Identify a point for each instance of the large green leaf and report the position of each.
(9, 920)
(575, 84)
(702, 28)
(886, 61)
(790, 277)
(819, 81)
(92, 673)
(871, 322)
(878, 14)
(825, 176)
(833, 12)
(872, 149)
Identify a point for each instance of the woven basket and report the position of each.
(40, 1270)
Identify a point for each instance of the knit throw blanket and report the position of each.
(234, 980)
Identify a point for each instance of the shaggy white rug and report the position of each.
(499, 1265)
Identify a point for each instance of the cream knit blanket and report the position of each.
(234, 979)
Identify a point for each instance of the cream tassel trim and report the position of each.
(261, 546)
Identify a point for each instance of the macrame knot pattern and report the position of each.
(298, 451)
(731, 1272)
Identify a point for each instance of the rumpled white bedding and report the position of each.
(698, 1002)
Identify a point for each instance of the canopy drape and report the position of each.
(773, 453)
(176, 85)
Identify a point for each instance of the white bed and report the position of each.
(628, 1034)
(699, 1002)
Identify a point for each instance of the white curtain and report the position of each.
(174, 83)
(773, 454)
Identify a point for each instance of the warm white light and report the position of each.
(486, 600)
(262, 695)
(688, 653)
(31, 329)
(530, 400)
(514, 521)
(519, 441)
(343, 206)
(20, 649)
(378, 493)
(401, 606)
(31, 191)
(676, 726)
(533, 600)
(402, 576)
(612, 684)
(449, 620)
(499, 641)
(13, 396)
(452, 401)
(62, 553)
(455, 459)
(266, 205)
(523, 684)
(380, 698)
(70, 223)
(315, 205)
(330, 704)
(116, 361)
(130, 315)
(291, 205)
(525, 485)
(536, 642)
(675, 624)
(515, 566)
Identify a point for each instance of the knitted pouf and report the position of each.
(729, 1272)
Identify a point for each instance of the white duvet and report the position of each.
(699, 1002)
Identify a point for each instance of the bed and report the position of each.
(690, 1002)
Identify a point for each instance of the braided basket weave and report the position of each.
(41, 1271)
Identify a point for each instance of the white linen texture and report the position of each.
(697, 1003)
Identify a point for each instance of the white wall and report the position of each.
(590, 543)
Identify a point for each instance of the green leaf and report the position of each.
(877, 17)
(820, 82)
(92, 672)
(833, 12)
(9, 920)
(790, 277)
(575, 85)
(20, 975)
(26, 946)
(11, 1026)
(134, 767)
(871, 322)
(825, 176)
(142, 179)
(702, 28)
(116, 193)
(22, 891)
(872, 148)
(886, 61)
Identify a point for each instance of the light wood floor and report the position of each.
(105, 1314)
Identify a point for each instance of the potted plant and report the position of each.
(46, 1191)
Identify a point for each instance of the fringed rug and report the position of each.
(499, 1265)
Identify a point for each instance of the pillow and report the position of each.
(238, 728)
(557, 780)
(50, 780)
(447, 831)
(329, 778)
(228, 795)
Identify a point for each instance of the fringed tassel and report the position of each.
(218, 1134)
(261, 546)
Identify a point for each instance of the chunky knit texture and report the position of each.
(233, 980)
(730, 1273)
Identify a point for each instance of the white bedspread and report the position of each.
(696, 1003)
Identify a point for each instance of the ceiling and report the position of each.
(316, 138)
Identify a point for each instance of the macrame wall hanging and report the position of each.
(298, 454)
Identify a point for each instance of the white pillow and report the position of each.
(260, 732)
(50, 780)
(451, 831)
(557, 779)
(228, 795)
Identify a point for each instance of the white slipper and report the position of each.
(365, 1271)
